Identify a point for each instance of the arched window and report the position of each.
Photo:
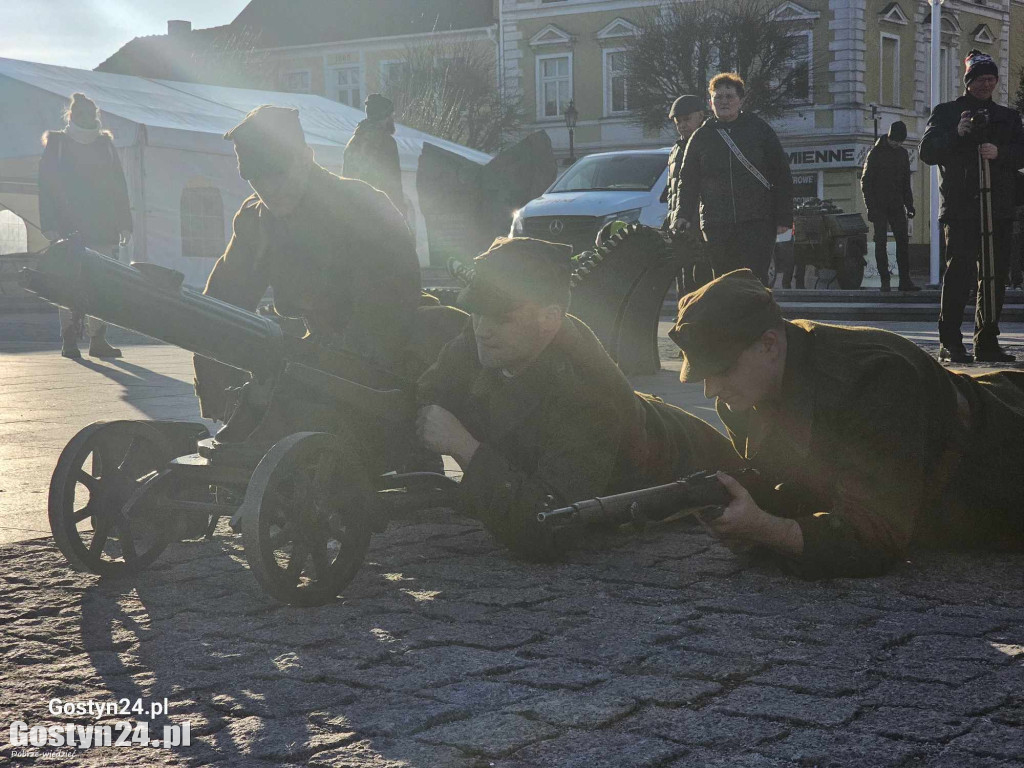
(202, 222)
(13, 233)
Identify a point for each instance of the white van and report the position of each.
(609, 186)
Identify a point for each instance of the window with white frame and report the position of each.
(889, 70)
(554, 85)
(13, 233)
(202, 222)
(616, 90)
(947, 74)
(392, 72)
(800, 64)
(347, 86)
(298, 81)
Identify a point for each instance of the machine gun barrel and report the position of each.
(152, 300)
(701, 489)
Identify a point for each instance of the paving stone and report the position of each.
(703, 728)
(391, 753)
(471, 634)
(973, 649)
(994, 739)
(493, 735)
(781, 704)
(700, 758)
(912, 723)
(841, 749)
(481, 694)
(684, 663)
(936, 624)
(925, 670)
(954, 758)
(659, 689)
(551, 674)
(279, 740)
(586, 709)
(390, 715)
(278, 698)
(979, 696)
(826, 681)
(510, 596)
(594, 749)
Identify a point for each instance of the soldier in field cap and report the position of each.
(887, 447)
(530, 405)
(687, 114)
(336, 252)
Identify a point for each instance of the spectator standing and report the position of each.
(372, 153)
(890, 202)
(960, 135)
(82, 191)
(735, 167)
(687, 114)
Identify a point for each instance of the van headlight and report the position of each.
(627, 216)
(517, 223)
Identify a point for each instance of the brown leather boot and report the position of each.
(98, 346)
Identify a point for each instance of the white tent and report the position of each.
(177, 164)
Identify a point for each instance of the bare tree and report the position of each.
(450, 90)
(680, 46)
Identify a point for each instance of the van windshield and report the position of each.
(613, 173)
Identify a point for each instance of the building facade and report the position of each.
(868, 61)
(868, 66)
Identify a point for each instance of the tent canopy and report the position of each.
(182, 178)
(166, 107)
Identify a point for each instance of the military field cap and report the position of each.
(686, 105)
(516, 270)
(378, 106)
(898, 131)
(275, 128)
(717, 322)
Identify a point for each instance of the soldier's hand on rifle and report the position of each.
(964, 126)
(743, 522)
(989, 151)
(441, 432)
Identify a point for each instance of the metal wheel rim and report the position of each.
(107, 535)
(305, 533)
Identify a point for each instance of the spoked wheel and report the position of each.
(306, 518)
(97, 506)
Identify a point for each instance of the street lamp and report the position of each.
(571, 116)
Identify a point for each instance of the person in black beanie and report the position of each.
(960, 134)
(890, 202)
(371, 155)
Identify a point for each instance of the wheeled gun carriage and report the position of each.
(325, 467)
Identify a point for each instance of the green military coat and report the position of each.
(344, 261)
(570, 426)
(889, 448)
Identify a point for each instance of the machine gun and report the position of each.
(696, 491)
(325, 466)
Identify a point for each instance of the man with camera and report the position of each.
(970, 139)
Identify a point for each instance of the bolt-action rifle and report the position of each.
(701, 492)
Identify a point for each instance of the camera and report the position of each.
(979, 120)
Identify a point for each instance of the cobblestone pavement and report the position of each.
(659, 648)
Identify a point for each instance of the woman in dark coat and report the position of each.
(736, 169)
(82, 191)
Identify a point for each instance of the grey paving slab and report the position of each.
(661, 649)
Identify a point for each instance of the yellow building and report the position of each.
(868, 60)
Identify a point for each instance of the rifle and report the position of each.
(701, 489)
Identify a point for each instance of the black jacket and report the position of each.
(728, 192)
(372, 156)
(672, 197)
(82, 189)
(886, 179)
(957, 158)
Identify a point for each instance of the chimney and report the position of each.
(176, 27)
